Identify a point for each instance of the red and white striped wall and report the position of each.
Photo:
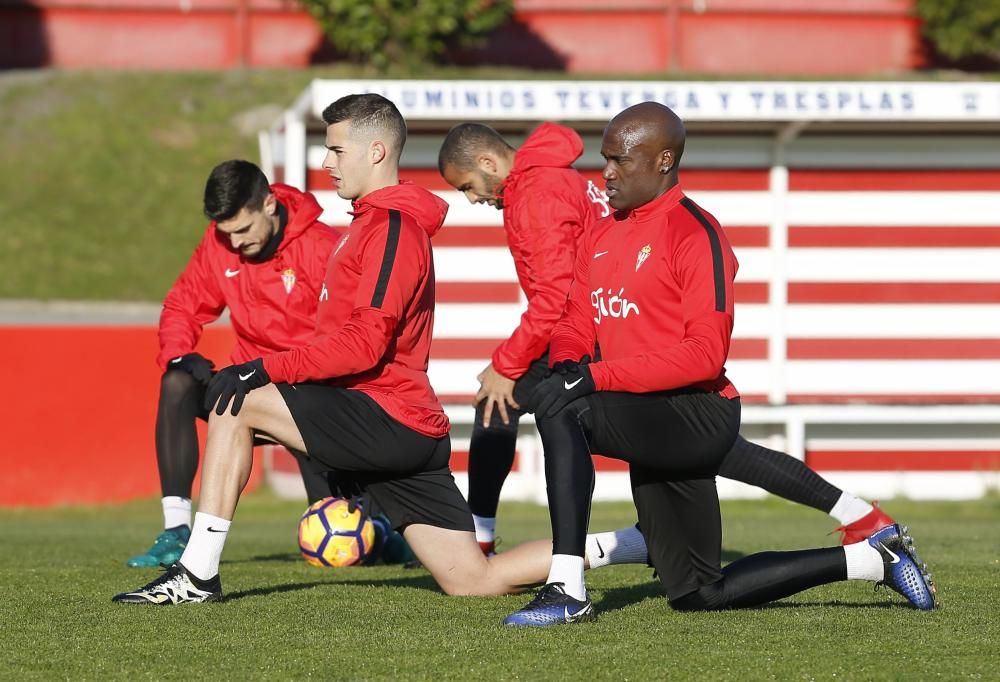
(877, 286)
(890, 295)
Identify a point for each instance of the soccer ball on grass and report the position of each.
(330, 534)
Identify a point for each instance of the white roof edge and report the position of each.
(701, 101)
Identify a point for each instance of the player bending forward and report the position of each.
(356, 398)
(263, 257)
(546, 206)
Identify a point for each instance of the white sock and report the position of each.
(568, 570)
(176, 511)
(850, 508)
(864, 562)
(204, 549)
(622, 546)
(486, 528)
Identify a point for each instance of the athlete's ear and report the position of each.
(270, 205)
(666, 160)
(487, 163)
(377, 152)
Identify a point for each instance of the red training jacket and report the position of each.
(654, 288)
(376, 309)
(546, 206)
(272, 304)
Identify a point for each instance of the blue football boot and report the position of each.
(552, 606)
(904, 572)
(382, 531)
(167, 549)
(390, 547)
(397, 550)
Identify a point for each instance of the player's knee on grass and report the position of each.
(453, 559)
(460, 588)
(464, 577)
(705, 598)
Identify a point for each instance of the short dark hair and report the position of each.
(369, 113)
(464, 141)
(232, 186)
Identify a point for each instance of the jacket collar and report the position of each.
(658, 206)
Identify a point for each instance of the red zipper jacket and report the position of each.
(654, 287)
(376, 309)
(546, 206)
(272, 304)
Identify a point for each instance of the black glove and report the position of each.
(564, 366)
(233, 383)
(569, 380)
(348, 486)
(195, 364)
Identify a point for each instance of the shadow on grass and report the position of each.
(283, 556)
(729, 555)
(620, 597)
(423, 582)
(834, 603)
(272, 589)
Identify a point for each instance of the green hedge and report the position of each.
(386, 32)
(962, 29)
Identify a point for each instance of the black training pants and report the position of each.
(674, 442)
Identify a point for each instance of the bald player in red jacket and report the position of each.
(653, 286)
(546, 204)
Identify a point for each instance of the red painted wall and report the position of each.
(79, 410)
(728, 36)
(764, 37)
(156, 34)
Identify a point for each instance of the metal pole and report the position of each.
(778, 286)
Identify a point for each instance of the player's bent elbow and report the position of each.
(710, 365)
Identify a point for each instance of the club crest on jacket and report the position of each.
(643, 255)
(288, 279)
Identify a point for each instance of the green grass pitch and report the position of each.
(284, 619)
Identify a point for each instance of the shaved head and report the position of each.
(466, 141)
(475, 160)
(651, 123)
(642, 149)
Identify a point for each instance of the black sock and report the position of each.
(491, 457)
(176, 437)
(779, 474)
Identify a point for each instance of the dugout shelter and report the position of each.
(866, 220)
